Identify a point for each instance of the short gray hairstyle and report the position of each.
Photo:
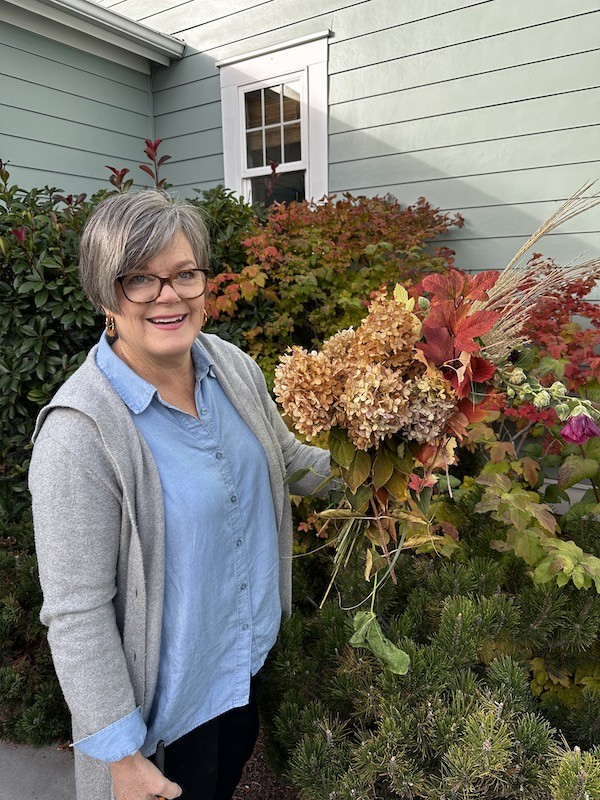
(126, 231)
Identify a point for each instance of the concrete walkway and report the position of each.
(29, 773)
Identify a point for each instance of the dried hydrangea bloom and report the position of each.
(308, 386)
(431, 403)
(387, 334)
(338, 346)
(374, 404)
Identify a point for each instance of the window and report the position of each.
(275, 122)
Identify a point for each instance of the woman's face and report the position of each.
(161, 332)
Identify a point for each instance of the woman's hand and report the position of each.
(136, 778)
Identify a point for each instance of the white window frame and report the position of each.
(302, 59)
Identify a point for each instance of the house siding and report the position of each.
(490, 108)
(487, 107)
(66, 114)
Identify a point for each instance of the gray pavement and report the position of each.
(31, 773)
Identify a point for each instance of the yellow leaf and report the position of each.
(397, 485)
(401, 296)
(378, 536)
(500, 450)
(368, 565)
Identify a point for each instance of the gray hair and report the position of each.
(126, 231)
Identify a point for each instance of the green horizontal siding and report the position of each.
(65, 114)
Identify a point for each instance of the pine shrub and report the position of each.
(476, 716)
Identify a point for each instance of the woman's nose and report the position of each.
(167, 294)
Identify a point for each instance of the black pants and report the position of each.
(207, 762)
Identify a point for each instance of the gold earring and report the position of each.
(111, 328)
(205, 317)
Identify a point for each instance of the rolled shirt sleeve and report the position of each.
(122, 738)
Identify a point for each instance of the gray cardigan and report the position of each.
(99, 527)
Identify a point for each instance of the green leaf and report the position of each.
(297, 476)
(361, 499)
(592, 448)
(341, 448)
(526, 359)
(396, 660)
(361, 623)
(401, 459)
(553, 494)
(383, 468)
(359, 470)
(576, 469)
(368, 634)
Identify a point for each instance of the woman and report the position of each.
(162, 519)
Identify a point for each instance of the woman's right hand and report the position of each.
(136, 778)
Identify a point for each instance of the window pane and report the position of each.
(254, 149)
(286, 187)
(253, 109)
(273, 105)
(292, 150)
(291, 101)
(273, 141)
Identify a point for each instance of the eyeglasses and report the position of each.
(138, 287)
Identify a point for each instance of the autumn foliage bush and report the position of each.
(311, 268)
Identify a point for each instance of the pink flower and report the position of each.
(579, 429)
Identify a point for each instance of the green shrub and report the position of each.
(32, 708)
(46, 325)
(500, 671)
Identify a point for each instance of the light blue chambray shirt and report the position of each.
(222, 610)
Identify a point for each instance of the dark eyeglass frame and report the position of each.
(162, 283)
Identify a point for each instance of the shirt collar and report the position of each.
(136, 392)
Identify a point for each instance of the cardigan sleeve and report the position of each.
(77, 522)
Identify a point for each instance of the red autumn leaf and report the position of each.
(480, 283)
(439, 347)
(147, 170)
(444, 287)
(472, 326)
(481, 369)
(19, 233)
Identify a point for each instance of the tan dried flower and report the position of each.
(308, 386)
(387, 334)
(374, 404)
(431, 403)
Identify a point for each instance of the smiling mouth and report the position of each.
(167, 320)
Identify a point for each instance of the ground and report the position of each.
(259, 782)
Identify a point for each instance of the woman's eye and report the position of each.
(186, 275)
(138, 280)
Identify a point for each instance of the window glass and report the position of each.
(292, 144)
(272, 105)
(291, 101)
(254, 149)
(273, 144)
(286, 187)
(273, 125)
(253, 109)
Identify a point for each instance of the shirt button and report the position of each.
(243, 586)
(238, 542)
(233, 498)
(219, 456)
(245, 626)
(204, 411)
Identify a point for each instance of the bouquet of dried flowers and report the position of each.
(399, 393)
